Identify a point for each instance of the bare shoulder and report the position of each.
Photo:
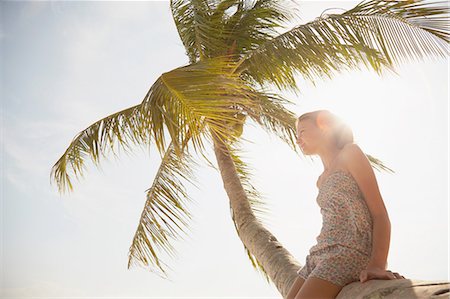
(352, 150)
(350, 155)
(355, 161)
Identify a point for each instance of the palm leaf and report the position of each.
(201, 35)
(366, 34)
(207, 30)
(201, 92)
(402, 29)
(378, 164)
(256, 22)
(165, 214)
(122, 129)
(180, 100)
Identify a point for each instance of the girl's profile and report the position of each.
(353, 243)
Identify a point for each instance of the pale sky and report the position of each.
(66, 65)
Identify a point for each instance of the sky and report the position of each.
(66, 65)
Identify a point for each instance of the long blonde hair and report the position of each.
(341, 132)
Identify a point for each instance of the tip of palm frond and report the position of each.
(59, 176)
(257, 265)
(378, 164)
(160, 271)
(149, 237)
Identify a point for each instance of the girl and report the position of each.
(354, 241)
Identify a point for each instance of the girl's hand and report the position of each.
(378, 273)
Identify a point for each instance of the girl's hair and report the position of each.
(341, 132)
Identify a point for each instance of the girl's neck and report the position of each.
(329, 157)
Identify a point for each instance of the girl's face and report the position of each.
(309, 136)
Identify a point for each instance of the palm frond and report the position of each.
(132, 126)
(200, 33)
(378, 164)
(253, 24)
(402, 30)
(165, 215)
(180, 100)
(207, 29)
(366, 34)
(205, 91)
(122, 129)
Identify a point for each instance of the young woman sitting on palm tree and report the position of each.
(354, 241)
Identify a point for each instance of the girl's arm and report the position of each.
(381, 237)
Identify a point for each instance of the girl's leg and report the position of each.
(298, 282)
(316, 288)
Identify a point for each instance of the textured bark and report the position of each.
(281, 266)
(396, 289)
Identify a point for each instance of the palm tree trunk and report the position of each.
(278, 263)
(396, 289)
(282, 267)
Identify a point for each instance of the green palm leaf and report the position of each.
(207, 29)
(165, 215)
(378, 164)
(373, 33)
(122, 129)
(180, 101)
(201, 35)
(252, 25)
(402, 29)
(205, 91)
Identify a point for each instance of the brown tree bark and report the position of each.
(396, 289)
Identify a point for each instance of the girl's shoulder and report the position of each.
(349, 152)
(346, 154)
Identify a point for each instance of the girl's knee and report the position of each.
(315, 288)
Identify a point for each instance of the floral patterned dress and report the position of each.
(345, 242)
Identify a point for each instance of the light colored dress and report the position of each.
(345, 242)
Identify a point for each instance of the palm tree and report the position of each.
(234, 53)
